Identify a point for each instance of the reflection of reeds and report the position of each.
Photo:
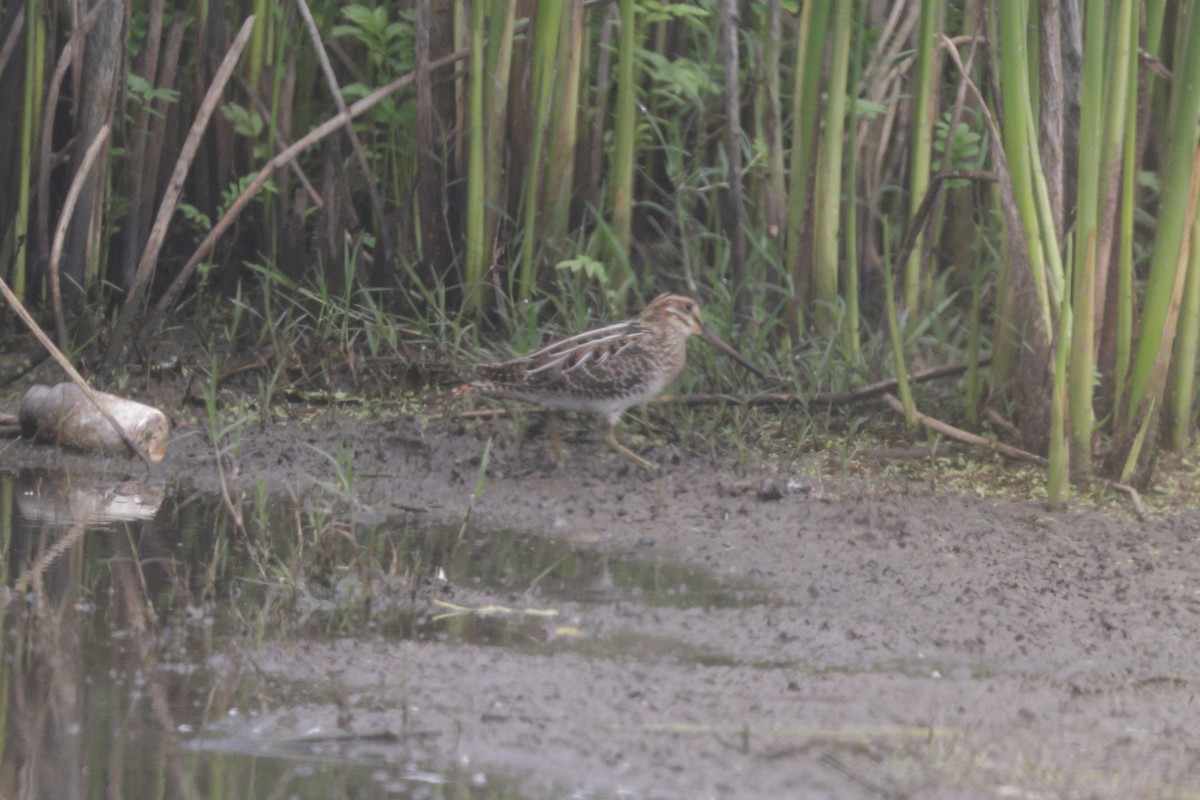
(82, 593)
(32, 575)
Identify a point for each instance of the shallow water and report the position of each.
(128, 611)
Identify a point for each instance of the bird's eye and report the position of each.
(687, 306)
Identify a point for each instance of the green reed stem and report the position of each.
(1058, 485)
(1172, 220)
(545, 49)
(624, 128)
(828, 195)
(1017, 124)
(1088, 204)
(852, 323)
(810, 53)
(922, 140)
(31, 114)
(563, 143)
(1182, 382)
(476, 244)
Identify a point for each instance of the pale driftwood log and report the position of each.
(63, 415)
(72, 373)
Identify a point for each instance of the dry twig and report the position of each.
(145, 270)
(60, 232)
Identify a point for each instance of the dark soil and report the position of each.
(914, 641)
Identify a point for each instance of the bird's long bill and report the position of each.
(716, 342)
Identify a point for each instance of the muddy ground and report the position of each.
(908, 640)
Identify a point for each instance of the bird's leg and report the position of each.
(610, 439)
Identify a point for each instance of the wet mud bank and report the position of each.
(856, 637)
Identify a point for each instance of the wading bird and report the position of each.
(607, 370)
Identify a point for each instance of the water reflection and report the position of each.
(77, 618)
(56, 499)
(127, 609)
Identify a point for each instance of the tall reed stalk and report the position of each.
(921, 156)
(31, 113)
(1088, 205)
(810, 53)
(1058, 470)
(258, 52)
(543, 56)
(563, 144)
(733, 211)
(1033, 281)
(772, 129)
(476, 197)
(624, 129)
(1182, 387)
(1163, 286)
(852, 323)
(1021, 150)
(1123, 324)
(828, 195)
(491, 60)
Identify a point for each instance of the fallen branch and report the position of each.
(1000, 422)
(1015, 453)
(879, 387)
(1134, 497)
(958, 434)
(821, 398)
(772, 399)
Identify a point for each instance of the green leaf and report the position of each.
(245, 121)
(195, 216)
(586, 265)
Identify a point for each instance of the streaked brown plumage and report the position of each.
(607, 370)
